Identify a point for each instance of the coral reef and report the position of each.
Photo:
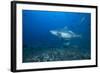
(55, 54)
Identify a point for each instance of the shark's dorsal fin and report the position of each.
(64, 29)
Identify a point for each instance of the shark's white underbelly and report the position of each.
(66, 35)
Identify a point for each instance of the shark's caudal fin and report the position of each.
(79, 36)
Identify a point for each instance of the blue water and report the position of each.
(39, 45)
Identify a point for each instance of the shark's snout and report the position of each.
(53, 32)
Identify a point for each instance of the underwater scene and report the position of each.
(55, 36)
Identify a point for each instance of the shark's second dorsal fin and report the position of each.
(72, 32)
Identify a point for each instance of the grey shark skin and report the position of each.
(65, 33)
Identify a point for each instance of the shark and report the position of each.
(65, 33)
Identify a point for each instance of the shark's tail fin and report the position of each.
(79, 36)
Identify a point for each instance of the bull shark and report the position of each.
(65, 33)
